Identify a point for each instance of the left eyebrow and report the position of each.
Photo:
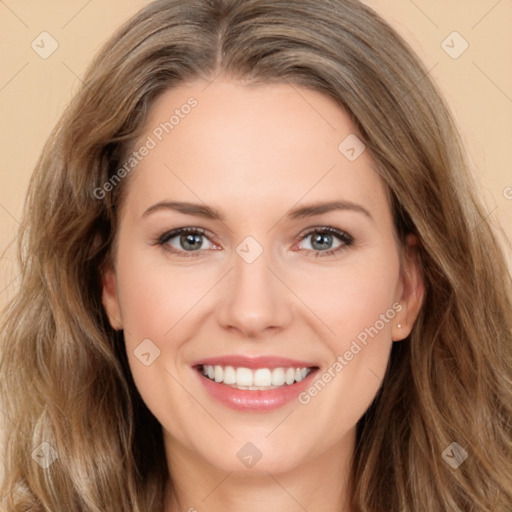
(310, 210)
(320, 208)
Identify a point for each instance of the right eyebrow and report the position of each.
(198, 210)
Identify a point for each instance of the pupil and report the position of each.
(322, 239)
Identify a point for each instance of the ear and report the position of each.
(411, 290)
(110, 299)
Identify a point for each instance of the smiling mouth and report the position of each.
(258, 379)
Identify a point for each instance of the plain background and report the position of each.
(34, 91)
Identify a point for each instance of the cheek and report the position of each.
(354, 296)
(155, 299)
(358, 303)
(156, 294)
(160, 302)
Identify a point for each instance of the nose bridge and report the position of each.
(254, 298)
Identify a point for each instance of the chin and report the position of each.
(257, 456)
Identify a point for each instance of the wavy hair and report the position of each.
(65, 380)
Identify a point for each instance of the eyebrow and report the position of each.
(207, 212)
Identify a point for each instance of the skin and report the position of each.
(254, 152)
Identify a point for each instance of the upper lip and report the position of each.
(240, 361)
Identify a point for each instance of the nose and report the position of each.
(255, 301)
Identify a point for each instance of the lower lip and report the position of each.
(254, 400)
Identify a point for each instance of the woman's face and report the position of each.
(287, 283)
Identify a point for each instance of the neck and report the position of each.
(319, 483)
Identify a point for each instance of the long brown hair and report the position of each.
(65, 379)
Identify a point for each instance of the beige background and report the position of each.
(34, 91)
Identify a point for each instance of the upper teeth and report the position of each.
(245, 378)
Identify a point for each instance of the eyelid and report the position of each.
(167, 235)
(325, 229)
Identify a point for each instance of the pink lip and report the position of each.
(254, 400)
(255, 362)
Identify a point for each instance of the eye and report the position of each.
(323, 241)
(184, 241)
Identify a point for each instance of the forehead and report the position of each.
(247, 148)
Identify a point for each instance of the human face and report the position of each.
(257, 287)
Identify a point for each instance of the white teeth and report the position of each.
(229, 375)
(262, 377)
(278, 377)
(259, 379)
(244, 377)
(219, 373)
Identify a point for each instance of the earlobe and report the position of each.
(110, 298)
(413, 290)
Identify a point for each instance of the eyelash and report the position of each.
(344, 237)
